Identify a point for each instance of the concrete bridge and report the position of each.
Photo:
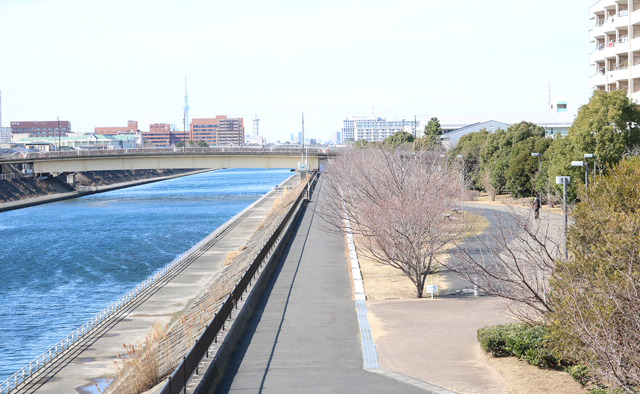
(69, 162)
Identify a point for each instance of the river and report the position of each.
(61, 263)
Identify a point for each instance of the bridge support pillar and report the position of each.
(71, 179)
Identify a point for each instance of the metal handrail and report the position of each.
(52, 353)
(13, 175)
(189, 364)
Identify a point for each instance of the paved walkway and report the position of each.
(92, 360)
(303, 335)
(435, 341)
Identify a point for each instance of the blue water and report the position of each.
(61, 263)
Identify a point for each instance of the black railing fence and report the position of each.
(189, 365)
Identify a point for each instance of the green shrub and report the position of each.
(492, 340)
(579, 373)
(527, 343)
(600, 389)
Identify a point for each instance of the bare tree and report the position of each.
(399, 206)
(513, 259)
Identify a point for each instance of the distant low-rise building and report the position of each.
(163, 135)
(455, 126)
(47, 128)
(131, 128)
(80, 141)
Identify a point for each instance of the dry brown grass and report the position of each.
(383, 282)
(139, 367)
(280, 205)
(230, 257)
(523, 378)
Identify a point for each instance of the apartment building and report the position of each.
(374, 128)
(616, 39)
(131, 128)
(220, 130)
(47, 128)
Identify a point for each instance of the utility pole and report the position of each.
(302, 158)
(58, 118)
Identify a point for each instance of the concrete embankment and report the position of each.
(91, 360)
(53, 189)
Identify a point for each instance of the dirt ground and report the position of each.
(523, 378)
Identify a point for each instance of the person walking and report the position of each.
(536, 207)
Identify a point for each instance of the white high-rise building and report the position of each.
(372, 128)
(616, 39)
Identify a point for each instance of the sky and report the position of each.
(102, 63)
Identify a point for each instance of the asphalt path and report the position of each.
(303, 336)
(457, 286)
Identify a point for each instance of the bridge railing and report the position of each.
(167, 151)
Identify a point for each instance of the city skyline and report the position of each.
(278, 59)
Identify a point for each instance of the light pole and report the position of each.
(586, 172)
(463, 182)
(302, 158)
(564, 180)
(589, 156)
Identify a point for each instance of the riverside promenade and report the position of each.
(303, 336)
(91, 361)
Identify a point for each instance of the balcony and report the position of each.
(601, 5)
(598, 55)
(598, 79)
(619, 73)
(635, 17)
(635, 70)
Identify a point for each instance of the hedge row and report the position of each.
(527, 343)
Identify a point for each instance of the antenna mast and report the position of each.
(186, 111)
(256, 126)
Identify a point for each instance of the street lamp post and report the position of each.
(564, 180)
(586, 172)
(589, 156)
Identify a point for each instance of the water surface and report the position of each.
(61, 263)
